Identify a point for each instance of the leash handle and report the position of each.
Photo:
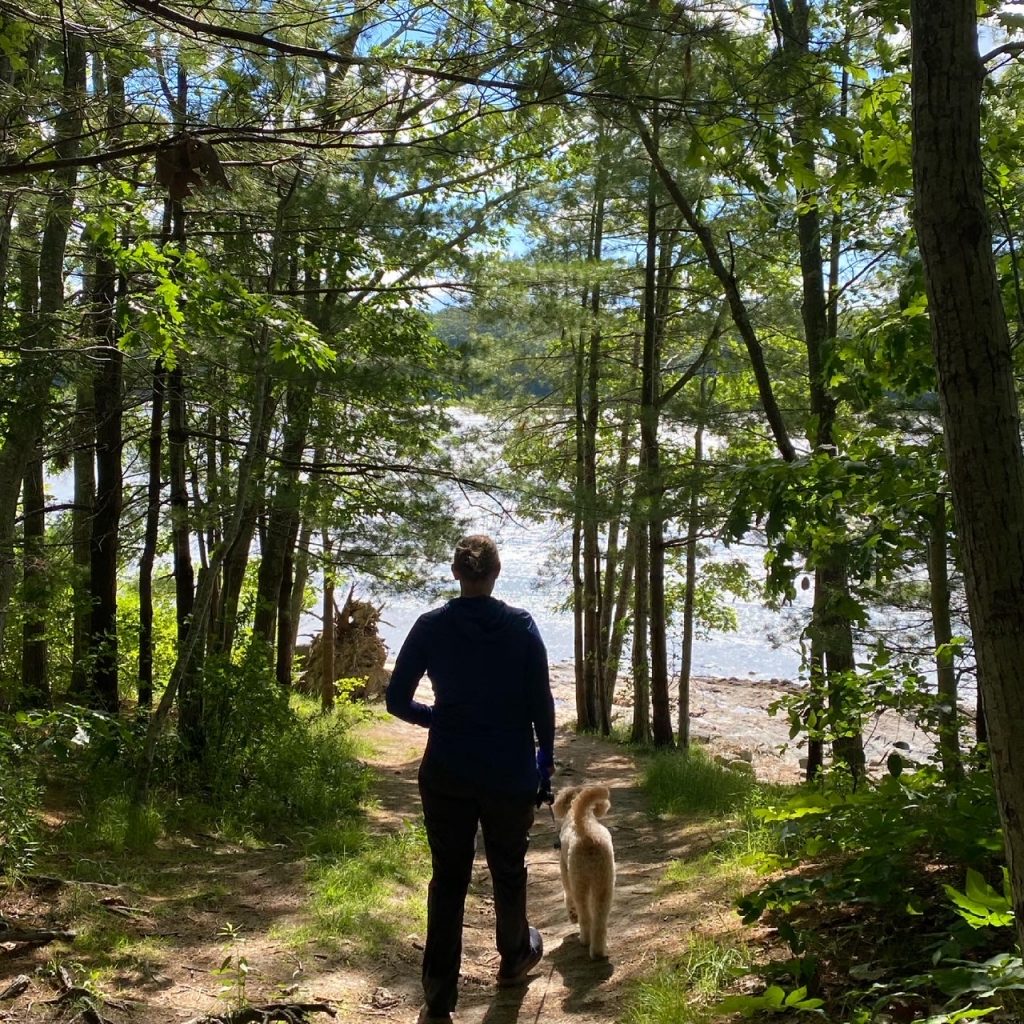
(558, 839)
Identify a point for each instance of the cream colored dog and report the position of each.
(587, 863)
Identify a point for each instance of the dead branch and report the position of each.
(52, 882)
(16, 987)
(285, 1013)
(41, 936)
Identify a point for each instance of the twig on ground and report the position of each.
(89, 1012)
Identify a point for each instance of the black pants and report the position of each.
(452, 809)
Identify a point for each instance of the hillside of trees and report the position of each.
(714, 271)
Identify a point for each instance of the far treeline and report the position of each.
(714, 272)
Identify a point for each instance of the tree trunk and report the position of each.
(36, 367)
(327, 640)
(641, 730)
(190, 705)
(214, 503)
(836, 633)
(283, 516)
(154, 487)
(300, 576)
(661, 716)
(250, 463)
(692, 528)
(84, 462)
(613, 599)
(978, 402)
(942, 628)
(620, 620)
(586, 699)
(237, 556)
(109, 492)
(285, 628)
(35, 598)
(592, 651)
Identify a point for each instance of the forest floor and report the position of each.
(156, 931)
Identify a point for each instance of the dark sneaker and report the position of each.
(517, 975)
(426, 1017)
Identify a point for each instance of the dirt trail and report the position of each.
(649, 919)
(264, 893)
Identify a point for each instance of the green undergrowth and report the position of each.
(681, 782)
(273, 775)
(885, 906)
(686, 988)
(885, 903)
(274, 772)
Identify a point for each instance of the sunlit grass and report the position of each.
(111, 949)
(115, 824)
(689, 782)
(368, 889)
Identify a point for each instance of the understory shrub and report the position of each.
(867, 906)
(20, 795)
(268, 765)
(272, 761)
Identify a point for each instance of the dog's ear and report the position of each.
(564, 799)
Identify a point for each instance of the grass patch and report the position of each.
(109, 949)
(115, 824)
(680, 993)
(719, 876)
(689, 782)
(369, 890)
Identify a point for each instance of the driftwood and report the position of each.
(37, 935)
(285, 1013)
(359, 653)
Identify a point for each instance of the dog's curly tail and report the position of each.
(592, 802)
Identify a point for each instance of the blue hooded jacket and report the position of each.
(489, 671)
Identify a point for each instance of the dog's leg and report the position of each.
(570, 905)
(583, 908)
(600, 899)
(598, 930)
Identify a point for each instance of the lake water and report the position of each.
(535, 575)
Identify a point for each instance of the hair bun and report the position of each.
(476, 557)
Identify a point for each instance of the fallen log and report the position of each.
(283, 1013)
